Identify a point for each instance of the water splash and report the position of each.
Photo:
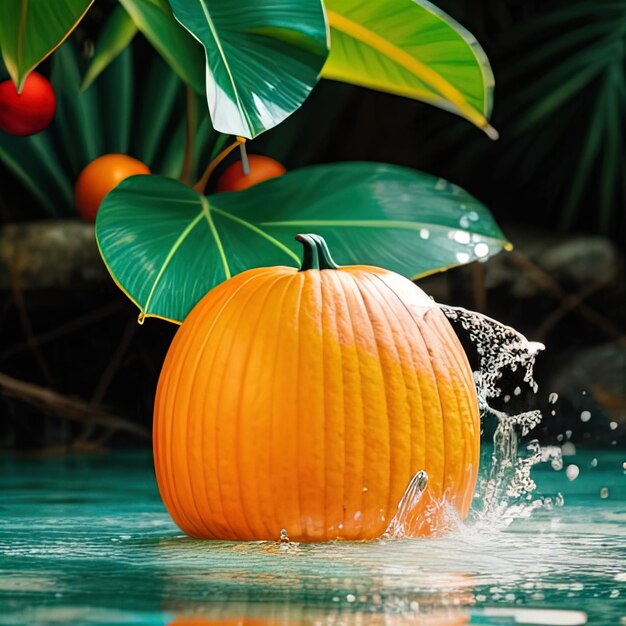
(505, 491)
(410, 499)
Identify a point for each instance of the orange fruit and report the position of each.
(262, 168)
(99, 177)
(30, 111)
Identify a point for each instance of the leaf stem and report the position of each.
(204, 179)
(190, 131)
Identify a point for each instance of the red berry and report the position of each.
(28, 112)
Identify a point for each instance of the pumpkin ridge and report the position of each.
(298, 312)
(442, 329)
(381, 369)
(471, 413)
(417, 360)
(348, 285)
(453, 421)
(442, 411)
(463, 412)
(408, 327)
(276, 486)
(335, 409)
(184, 346)
(221, 512)
(427, 367)
(312, 470)
(190, 468)
(239, 511)
(387, 310)
(323, 389)
(409, 368)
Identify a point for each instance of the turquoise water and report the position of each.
(86, 540)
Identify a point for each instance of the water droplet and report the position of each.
(614, 593)
(553, 397)
(441, 184)
(568, 434)
(364, 489)
(473, 216)
(552, 412)
(351, 597)
(481, 250)
(357, 515)
(594, 462)
(462, 257)
(464, 222)
(517, 391)
(613, 425)
(560, 500)
(572, 472)
(585, 416)
(424, 233)
(568, 449)
(461, 236)
(604, 493)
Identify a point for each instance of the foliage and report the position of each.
(31, 29)
(411, 49)
(577, 100)
(181, 52)
(405, 221)
(262, 60)
(112, 115)
(561, 69)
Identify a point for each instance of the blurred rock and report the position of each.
(60, 254)
(574, 261)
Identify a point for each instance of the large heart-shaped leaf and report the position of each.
(181, 52)
(166, 245)
(262, 58)
(31, 29)
(410, 48)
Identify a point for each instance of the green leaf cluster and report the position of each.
(256, 62)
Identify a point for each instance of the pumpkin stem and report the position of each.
(316, 254)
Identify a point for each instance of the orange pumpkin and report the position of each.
(306, 400)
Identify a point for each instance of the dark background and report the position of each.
(555, 182)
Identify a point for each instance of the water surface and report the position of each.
(86, 540)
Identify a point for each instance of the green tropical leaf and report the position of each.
(262, 59)
(31, 29)
(115, 114)
(116, 35)
(410, 48)
(179, 49)
(166, 245)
